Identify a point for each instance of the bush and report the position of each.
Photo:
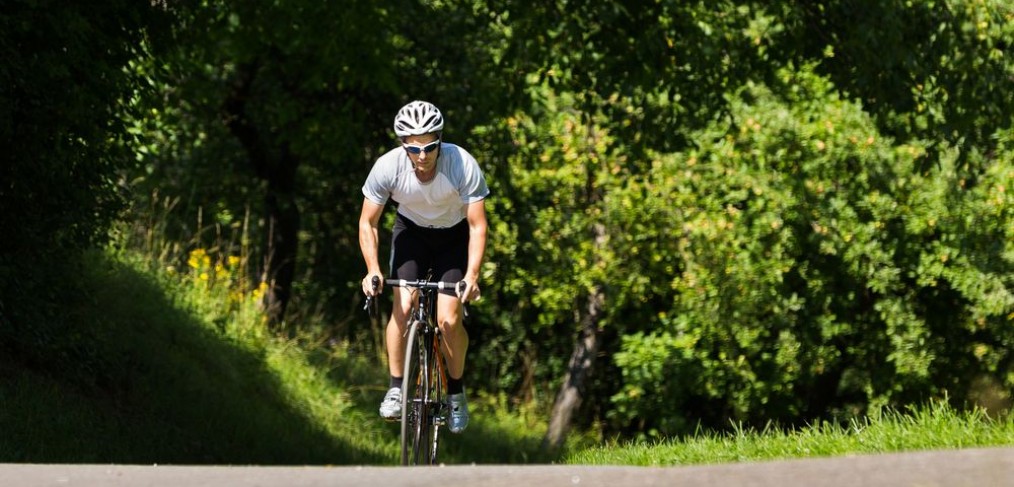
(811, 270)
(63, 84)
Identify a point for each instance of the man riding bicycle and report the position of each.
(440, 227)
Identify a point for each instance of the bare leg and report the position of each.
(396, 331)
(449, 314)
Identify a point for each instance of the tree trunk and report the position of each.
(275, 164)
(582, 359)
(579, 369)
(280, 253)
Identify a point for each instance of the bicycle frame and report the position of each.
(424, 396)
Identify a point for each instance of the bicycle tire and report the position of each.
(431, 385)
(415, 438)
(438, 407)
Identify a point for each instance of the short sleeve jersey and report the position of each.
(438, 203)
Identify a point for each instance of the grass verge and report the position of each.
(146, 368)
(935, 426)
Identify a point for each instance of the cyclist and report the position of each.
(440, 226)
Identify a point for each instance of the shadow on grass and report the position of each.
(127, 376)
(489, 439)
(487, 442)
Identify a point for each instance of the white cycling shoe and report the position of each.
(459, 412)
(390, 407)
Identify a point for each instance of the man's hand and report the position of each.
(369, 288)
(471, 291)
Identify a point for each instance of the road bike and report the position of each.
(424, 401)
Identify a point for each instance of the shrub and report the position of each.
(811, 270)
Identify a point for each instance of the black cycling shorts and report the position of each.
(437, 254)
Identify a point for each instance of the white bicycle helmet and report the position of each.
(418, 118)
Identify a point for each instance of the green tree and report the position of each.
(278, 111)
(586, 115)
(265, 109)
(929, 70)
(675, 68)
(820, 271)
(63, 82)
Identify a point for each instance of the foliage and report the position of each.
(62, 86)
(63, 81)
(929, 70)
(820, 272)
(673, 61)
(254, 116)
(610, 57)
(548, 210)
(793, 210)
(174, 379)
(288, 105)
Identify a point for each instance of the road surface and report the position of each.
(986, 467)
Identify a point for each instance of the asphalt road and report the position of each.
(972, 467)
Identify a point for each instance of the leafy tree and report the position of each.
(62, 84)
(674, 68)
(662, 213)
(271, 104)
(819, 271)
(278, 111)
(929, 70)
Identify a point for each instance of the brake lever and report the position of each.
(370, 299)
(460, 288)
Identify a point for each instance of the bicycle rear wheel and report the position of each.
(416, 446)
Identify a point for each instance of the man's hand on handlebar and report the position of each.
(371, 288)
(373, 284)
(468, 290)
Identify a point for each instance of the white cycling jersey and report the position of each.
(438, 203)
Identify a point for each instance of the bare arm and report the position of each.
(475, 213)
(369, 238)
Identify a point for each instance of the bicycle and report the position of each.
(424, 402)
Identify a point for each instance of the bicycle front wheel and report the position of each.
(415, 414)
(438, 408)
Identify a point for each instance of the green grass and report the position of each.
(150, 373)
(151, 367)
(936, 426)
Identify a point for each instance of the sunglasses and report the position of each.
(417, 149)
